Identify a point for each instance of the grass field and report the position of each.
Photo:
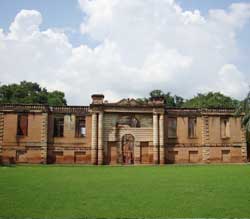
(125, 192)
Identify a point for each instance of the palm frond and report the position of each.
(247, 126)
(245, 119)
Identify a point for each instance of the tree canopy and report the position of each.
(206, 100)
(244, 107)
(33, 93)
(211, 100)
(169, 100)
(30, 93)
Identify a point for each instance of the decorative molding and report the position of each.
(37, 108)
(129, 102)
(205, 130)
(44, 137)
(244, 144)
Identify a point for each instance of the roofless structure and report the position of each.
(126, 132)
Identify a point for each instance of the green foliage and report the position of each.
(30, 93)
(142, 100)
(211, 100)
(208, 100)
(216, 191)
(169, 100)
(56, 98)
(244, 108)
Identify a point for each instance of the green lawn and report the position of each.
(125, 192)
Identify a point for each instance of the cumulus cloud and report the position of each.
(141, 45)
(26, 23)
(231, 81)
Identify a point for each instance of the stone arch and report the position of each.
(128, 143)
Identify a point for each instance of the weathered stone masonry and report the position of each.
(126, 132)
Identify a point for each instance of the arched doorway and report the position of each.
(128, 149)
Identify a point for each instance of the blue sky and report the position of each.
(68, 15)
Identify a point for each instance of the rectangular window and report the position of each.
(172, 127)
(191, 127)
(225, 128)
(22, 124)
(80, 127)
(58, 126)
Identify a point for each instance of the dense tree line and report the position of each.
(33, 93)
(207, 100)
(30, 93)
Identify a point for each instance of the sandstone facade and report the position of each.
(126, 132)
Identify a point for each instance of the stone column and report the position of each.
(155, 138)
(161, 140)
(94, 139)
(243, 145)
(205, 139)
(100, 138)
(44, 138)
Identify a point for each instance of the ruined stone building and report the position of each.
(125, 132)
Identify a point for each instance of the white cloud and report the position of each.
(25, 24)
(231, 81)
(143, 45)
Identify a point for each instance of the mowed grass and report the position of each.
(213, 191)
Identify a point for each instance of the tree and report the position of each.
(56, 98)
(244, 107)
(169, 100)
(207, 100)
(211, 100)
(30, 93)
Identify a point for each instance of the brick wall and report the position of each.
(69, 148)
(208, 146)
(24, 149)
(41, 146)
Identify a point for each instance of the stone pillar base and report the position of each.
(100, 156)
(162, 155)
(93, 156)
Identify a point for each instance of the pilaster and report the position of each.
(155, 138)
(44, 138)
(100, 138)
(94, 139)
(161, 139)
(243, 145)
(205, 139)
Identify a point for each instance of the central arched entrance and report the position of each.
(128, 149)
